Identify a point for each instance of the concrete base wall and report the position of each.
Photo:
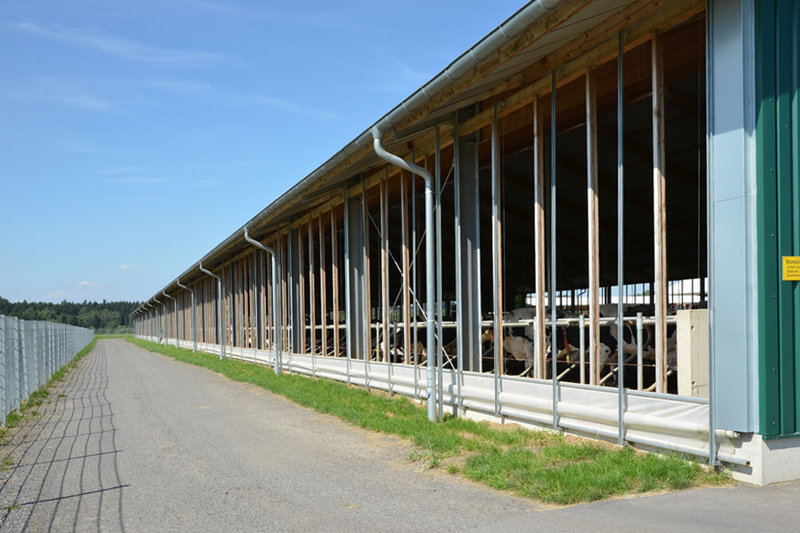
(771, 461)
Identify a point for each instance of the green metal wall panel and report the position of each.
(778, 161)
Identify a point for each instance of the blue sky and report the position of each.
(135, 136)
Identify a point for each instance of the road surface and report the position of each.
(134, 441)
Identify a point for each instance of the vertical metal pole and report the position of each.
(593, 230)
(478, 308)
(290, 325)
(439, 332)
(15, 363)
(407, 352)
(497, 313)
(256, 324)
(335, 284)
(539, 243)
(387, 285)
(712, 437)
(367, 323)
(312, 307)
(277, 334)
(620, 240)
(323, 288)
(414, 258)
(582, 346)
(3, 373)
(347, 308)
(659, 212)
(553, 287)
(639, 372)
(458, 264)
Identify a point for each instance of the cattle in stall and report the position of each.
(518, 347)
(409, 357)
(522, 314)
(629, 341)
(610, 310)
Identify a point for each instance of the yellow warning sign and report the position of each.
(791, 268)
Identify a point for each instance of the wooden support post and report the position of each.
(594, 229)
(312, 287)
(335, 284)
(659, 214)
(407, 349)
(539, 243)
(384, 192)
(323, 288)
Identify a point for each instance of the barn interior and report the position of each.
(517, 172)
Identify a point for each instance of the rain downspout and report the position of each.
(159, 327)
(377, 135)
(175, 310)
(219, 307)
(194, 328)
(275, 343)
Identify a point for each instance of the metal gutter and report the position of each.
(219, 309)
(494, 40)
(275, 335)
(430, 296)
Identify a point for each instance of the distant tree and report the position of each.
(105, 316)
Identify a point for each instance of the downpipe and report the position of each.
(275, 340)
(194, 330)
(175, 310)
(159, 329)
(430, 296)
(219, 308)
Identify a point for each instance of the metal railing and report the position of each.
(31, 351)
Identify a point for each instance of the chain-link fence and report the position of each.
(30, 352)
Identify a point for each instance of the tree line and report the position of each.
(103, 317)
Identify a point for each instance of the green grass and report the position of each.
(535, 464)
(7, 463)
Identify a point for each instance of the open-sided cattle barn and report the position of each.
(584, 222)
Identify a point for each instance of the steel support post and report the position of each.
(497, 311)
(621, 397)
(438, 316)
(347, 309)
(553, 286)
(458, 264)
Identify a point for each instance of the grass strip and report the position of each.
(38, 396)
(536, 464)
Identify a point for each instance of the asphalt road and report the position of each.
(133, 441)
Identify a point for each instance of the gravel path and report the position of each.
(133, 441)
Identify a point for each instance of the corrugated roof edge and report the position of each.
(494, 40)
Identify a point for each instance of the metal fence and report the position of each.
(31, 351)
